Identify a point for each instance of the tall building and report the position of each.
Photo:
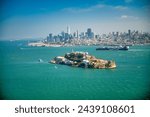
(68, 30)
(63, 34)
(67, 36)
(89, 33)
(117, 34)
(74, 34)
(77, 34)
(50, 37)
(82, 35)
(113, 33)
(129, 32)
(89, 30)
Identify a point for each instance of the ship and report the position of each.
(114, 48)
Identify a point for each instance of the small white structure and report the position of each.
(59, 59)
(86, 62)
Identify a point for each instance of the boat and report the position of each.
(40, 60)
(113, 48)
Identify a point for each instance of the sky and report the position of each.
(22, 19)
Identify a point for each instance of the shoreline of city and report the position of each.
(44, 44)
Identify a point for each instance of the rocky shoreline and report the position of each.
(84, 60)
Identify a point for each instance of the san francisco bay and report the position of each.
(23, 77)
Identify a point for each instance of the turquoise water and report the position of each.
(23, 77)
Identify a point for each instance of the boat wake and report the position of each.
(40, 60)
(56, 67)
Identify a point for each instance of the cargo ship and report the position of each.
(114, 48)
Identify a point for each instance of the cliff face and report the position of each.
(84, 60)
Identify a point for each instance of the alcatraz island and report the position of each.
(83, 60)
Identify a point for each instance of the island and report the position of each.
(83, 60)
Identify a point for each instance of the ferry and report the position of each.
(113, 48)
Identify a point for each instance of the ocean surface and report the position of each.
(23, 77)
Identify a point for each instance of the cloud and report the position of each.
(128, 1)
(82, 10)
(77, 10)
(93, 8)
(124, 17)
(129, 17)
(98, 6)
(121, 7)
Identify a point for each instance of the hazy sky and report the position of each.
(37, 18)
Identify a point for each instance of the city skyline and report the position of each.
(66, 36)
(30, 19)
